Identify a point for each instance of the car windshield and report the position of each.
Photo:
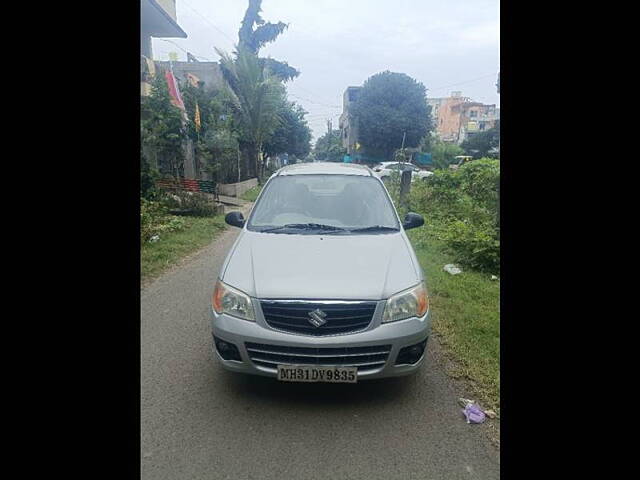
(324, 204)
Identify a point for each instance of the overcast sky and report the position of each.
(447, 45)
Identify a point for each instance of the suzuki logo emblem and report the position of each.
(317, 318)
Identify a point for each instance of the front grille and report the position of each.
(365, 358)
(341, 317)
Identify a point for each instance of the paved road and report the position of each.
(201, 422)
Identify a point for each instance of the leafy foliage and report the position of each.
(253, 39)
(221, 149)
(329, 147)
(216, 145)
(389, 105)
(162, 129)
(443, 154)
(293, 135)
(461, 209)
(148, 177)
(256, 99)
(154, 220)
(482, 143)
(192, 203)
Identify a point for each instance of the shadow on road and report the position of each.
(372, 392)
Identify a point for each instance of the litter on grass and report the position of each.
(452, 269)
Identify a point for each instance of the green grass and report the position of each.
(251, 194)
(465, 312)
(173, 246)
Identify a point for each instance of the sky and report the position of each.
(451, 45)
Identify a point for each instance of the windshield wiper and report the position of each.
(305, 226)
(374, 228)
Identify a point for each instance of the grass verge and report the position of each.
(156, 257)
(466, 319)
(251, 194)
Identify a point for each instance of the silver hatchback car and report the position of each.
(322, 284)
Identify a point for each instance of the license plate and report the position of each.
(307, 373)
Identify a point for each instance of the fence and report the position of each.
(205, 186)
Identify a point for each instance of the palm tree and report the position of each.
(253, 39)
(257, 96)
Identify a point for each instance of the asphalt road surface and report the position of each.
(201, 422)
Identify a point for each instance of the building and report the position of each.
(157, 20)
(208, 74)
(347, 123)
(456, 118)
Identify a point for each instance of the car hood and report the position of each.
(358, 267)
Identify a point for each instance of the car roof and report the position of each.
(325, 168)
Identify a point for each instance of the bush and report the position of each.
(191, 203)
(461, 210)
(152, 214)
(154, 219)
(148, 177)
(480, 179)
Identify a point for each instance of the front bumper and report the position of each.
(399, 334)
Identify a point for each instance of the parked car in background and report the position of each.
(322, 283)
(384, 170)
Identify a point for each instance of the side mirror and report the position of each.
(412, 220)
(235, 219)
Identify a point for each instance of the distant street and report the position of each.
(200, 422)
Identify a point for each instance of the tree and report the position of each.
(329, 147)
(443, 154)
(216, 144)
(148, 177)
(293, 136)
(256, 98)
(265, 32)
(481, 144)
(389, 106)
(162, 129)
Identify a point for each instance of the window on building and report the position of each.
(473, 113)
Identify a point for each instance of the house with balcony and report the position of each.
(457, 117)
(157, 20)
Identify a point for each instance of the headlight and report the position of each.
(406, 304)
(231, 301)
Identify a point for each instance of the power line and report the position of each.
(309, 91)
(209, 22)
(313, 101)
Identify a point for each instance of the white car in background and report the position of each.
(384, 170)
